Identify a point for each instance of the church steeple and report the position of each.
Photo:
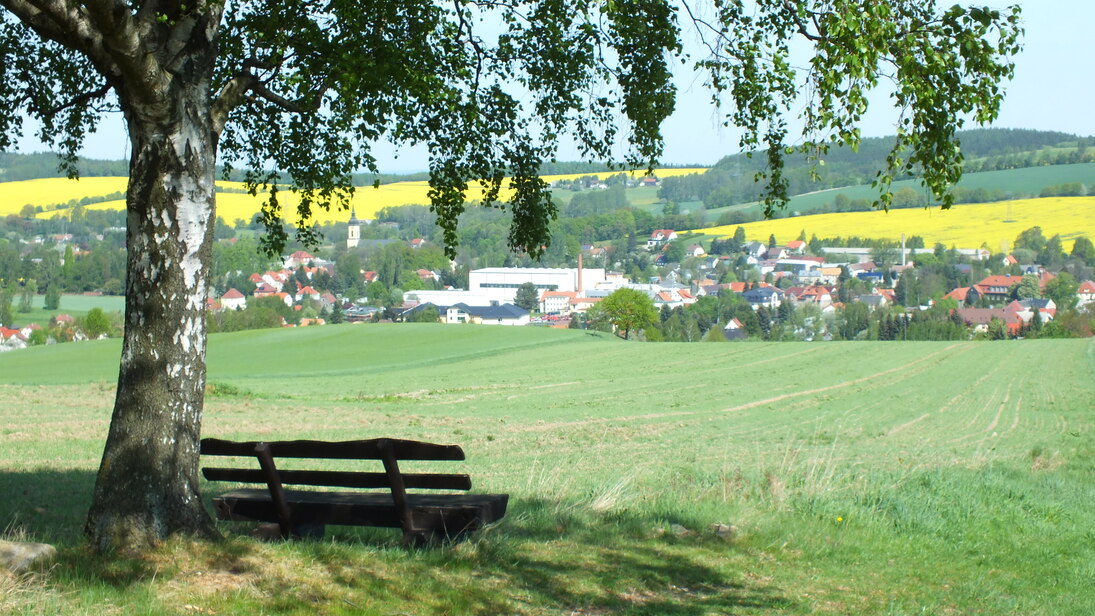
(353, 229)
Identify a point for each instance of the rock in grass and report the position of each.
(17, 556)
(724, 531)
(679, 530)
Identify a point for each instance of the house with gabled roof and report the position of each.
(979, 318)
(660, 237)
(796, 246)
(504, 314)
(816, 295)
(582, 304)
(755, 250)
(276, 279)
(1025, 308)
(307, 292)
(298, 258)
(996, 288)
(734, 330)
(557, 302)
(769, 297)
(11, 338)
(265, 290)
(873, 301)
(963, 295)
(233, 300)
(777, 252)
(1086, 293)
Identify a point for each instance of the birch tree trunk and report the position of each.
(147, 485)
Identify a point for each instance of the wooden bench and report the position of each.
(423, 517)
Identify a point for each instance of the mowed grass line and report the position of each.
(867, 478)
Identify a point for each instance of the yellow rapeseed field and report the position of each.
(231, 206)
(55, 191)
(992, 225)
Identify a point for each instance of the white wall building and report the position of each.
(500, 283)
(446, 297)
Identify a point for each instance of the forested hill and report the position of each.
(15, 167)
(731, 181)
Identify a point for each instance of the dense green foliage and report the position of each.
(628, 310)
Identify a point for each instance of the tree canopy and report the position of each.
(297, 92)
(627, 309)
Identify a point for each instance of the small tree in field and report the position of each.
(53, 296)
(628, 310)
(96, 323)
(26, 295)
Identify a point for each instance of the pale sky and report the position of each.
(1053, 89)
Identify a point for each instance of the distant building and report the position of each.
(506, 314)
(233, 300)
(353, 230)
(500, 284)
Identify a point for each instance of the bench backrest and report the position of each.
(389, 451)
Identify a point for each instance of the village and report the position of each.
(784, 279)
(729, 288)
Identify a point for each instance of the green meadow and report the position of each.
(73, 305)
(1023, 181)
(681, 479)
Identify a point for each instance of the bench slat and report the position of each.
(342, 479)
(348, 450)
(449, 513)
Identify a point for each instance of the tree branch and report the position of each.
(54, 20)
(79, 100)
(122, 39)
(103, 30)
(236, 90)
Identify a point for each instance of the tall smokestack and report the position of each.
(902, 250)
(580, 274)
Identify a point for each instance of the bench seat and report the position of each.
(454, 514)
(379, 498)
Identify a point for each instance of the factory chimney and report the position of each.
(580, 275)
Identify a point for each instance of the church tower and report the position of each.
(353, 230)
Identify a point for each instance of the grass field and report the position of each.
(74, 305)
(993, 225)
(49, 193)
(860, 478)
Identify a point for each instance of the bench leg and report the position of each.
(309, 531)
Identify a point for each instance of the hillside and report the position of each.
(866, 478)
(994, 225)
(731, 180)
(1009, 184)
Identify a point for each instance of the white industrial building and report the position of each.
(500, 284)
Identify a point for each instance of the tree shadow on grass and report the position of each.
(558, 557)
(46, 505)
(566, 556)
(552, 557)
